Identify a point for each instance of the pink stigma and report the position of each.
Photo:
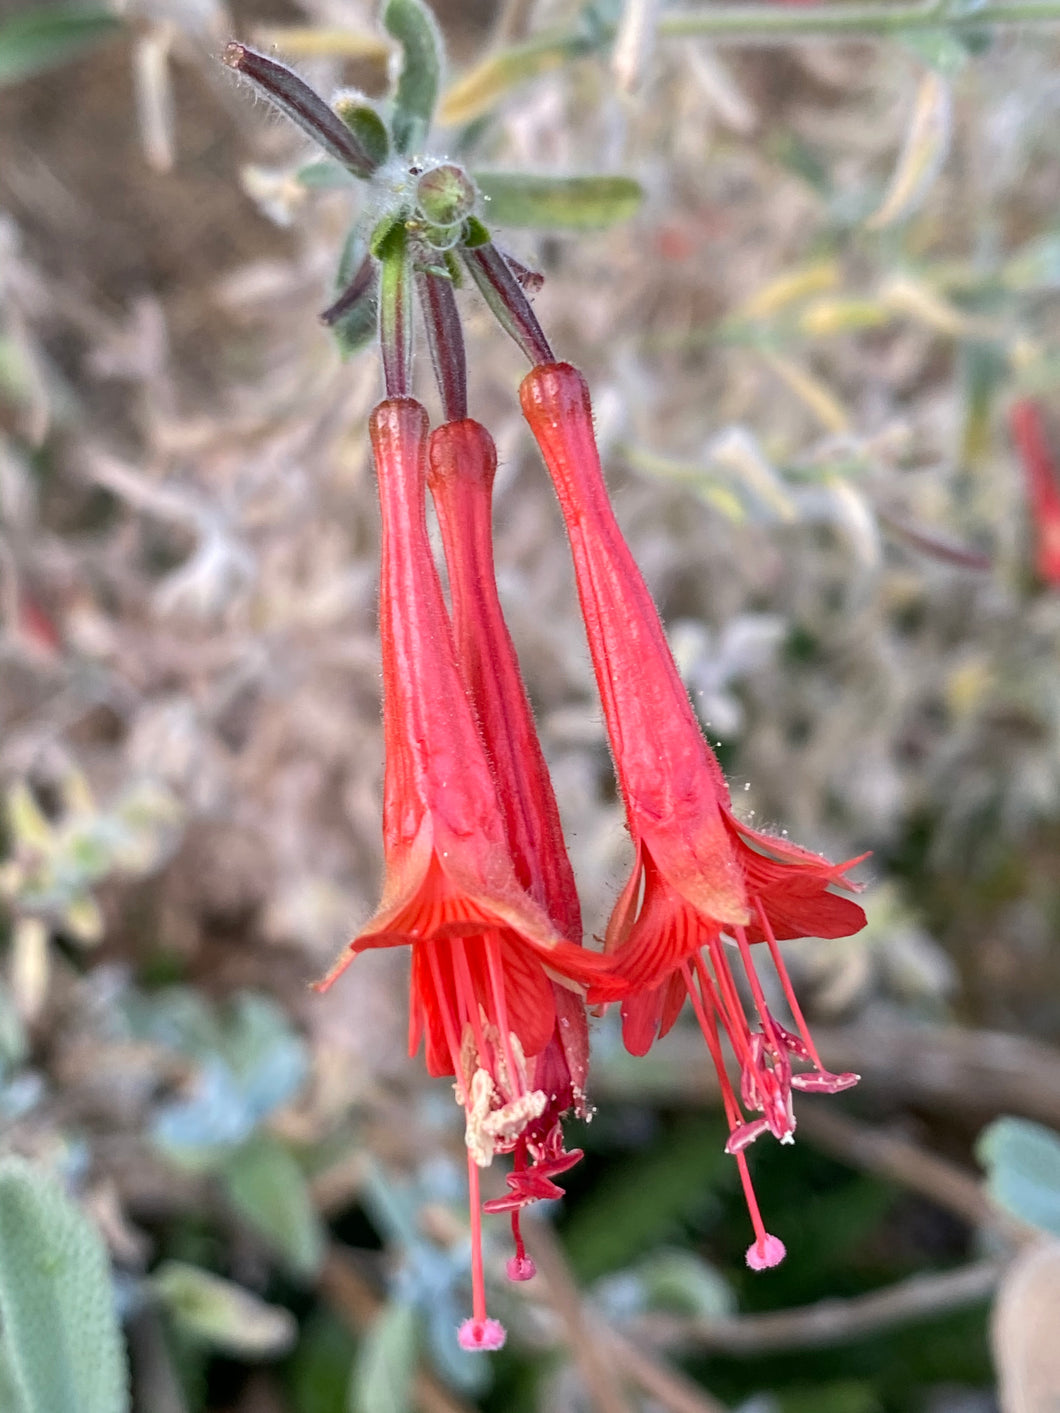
(765, 1252)
(521, 1268)
(486, 1335)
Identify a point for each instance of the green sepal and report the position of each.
(568, 203)
(475, 233)
(366, 125)
(380, 239)
(414, 27)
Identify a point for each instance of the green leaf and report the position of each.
(268, 1189)
(382, 1376)
(318, 1375)
(683, 1282)
(62, 1346)
(569, 203)
(39, 37)
(12, 1400)
(366, 125)
(413, 26)
(614, 1224)
(324, 175)
(1022, 1162)
(222, 1315)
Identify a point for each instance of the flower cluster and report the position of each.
(478, 883)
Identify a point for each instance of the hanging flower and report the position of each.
(463, 462)
(484, 953)
(698, 871)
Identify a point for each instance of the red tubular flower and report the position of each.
(698, 871)
(1043, 485)
(463, 462)
(483, 951)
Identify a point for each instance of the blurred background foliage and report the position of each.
(805, 343)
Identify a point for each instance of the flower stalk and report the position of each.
(395, 311)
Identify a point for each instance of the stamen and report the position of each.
(452, 1039)
(479, 1332)
(731, 1010)
(824, 1082)
(757, 992)
(765, 1250)
(709, 1027)
(520, 1267)
(500, 1004)
(465, 989)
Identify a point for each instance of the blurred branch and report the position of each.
(599, 1374)
(979, 1072)
(831, 1322)
(890, 1156)
(356, 1303)
(742, 23)
(668, 1387)
(599, 1349)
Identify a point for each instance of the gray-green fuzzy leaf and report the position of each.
(382, 1376)
(62, 1345)
(414, 27)
(1022, 1162)
(222, 1315)
(268, 1189)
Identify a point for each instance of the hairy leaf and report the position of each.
(413, 26)
(570, 203)
(62, 1347)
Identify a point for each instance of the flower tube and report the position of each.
(463, 463)
(699, 874)
(484, 953)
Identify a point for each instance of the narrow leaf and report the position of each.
(382, 1376)
(413, 26)
(927, 143)
(481, 87)
(56, 1302)
(221, 1314)
(570, 203)
(268, 1189)
(39, 37)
